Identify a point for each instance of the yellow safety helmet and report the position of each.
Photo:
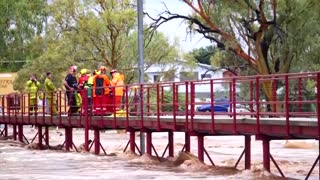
(83, 71)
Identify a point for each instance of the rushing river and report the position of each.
(20, 162)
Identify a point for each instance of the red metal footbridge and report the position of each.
(271, 107)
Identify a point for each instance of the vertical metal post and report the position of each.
(132, 140)
(258, 104)
(251, 97)
(6, 130)
(233, 107)
(192, 102)
(300, 94)
(187, 141)
(149, 143)
(68, 138)
(318, 104)
(266, 153)
(274, 95)
(174, 104)
(40, 136)
(46, 135)
(200, 148)
(171, 143)
(187, 107)
(96, 141)
(86, 123)
(247, 153)
(20, 132)
(158, 106)
(141, 63)
(14, 128)
(213, 128)
(287, 104)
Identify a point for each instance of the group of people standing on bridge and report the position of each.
(103, 94)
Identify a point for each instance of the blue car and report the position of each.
(219, 106)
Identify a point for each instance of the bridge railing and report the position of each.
(279, 96)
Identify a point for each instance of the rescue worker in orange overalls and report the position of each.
(117, 88)
(101, 85)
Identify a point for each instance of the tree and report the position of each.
(265, 27)
(203, 55)
(89, 34)
(20, 23)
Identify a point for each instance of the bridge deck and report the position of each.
(299, 127)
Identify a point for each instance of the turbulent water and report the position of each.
(20, 162)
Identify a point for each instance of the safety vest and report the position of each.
(101, 85)
(49, 88)
(117, 81)
(32, 88)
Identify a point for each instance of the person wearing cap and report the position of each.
(101, 84)
(83, 81)
(117, 88)
(71, 85)
(50, 90)
(32, 87)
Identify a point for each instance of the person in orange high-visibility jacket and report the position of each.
(117, 88)
(101, 85)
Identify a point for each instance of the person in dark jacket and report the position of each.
(71, 85)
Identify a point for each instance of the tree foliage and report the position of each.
(20, 24)
(92, 33)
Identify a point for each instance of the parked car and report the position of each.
(219, 106)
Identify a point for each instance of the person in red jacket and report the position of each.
(101, 85)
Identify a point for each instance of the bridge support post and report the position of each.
(149, 143)
(132, 140)
(187, 141)
(20, 132)
(40, 137)
(14, 129)
(96, 141)
(86, 138)
(266, 153)
(171, 144)
(6, 130)
(68, 138)
(247, 153)
(200, 148)
(46, 135)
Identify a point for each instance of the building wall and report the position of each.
(6, 82)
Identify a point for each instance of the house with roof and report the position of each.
(181, 72)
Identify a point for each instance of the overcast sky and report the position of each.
(175, 28)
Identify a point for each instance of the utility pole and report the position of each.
(141, 66)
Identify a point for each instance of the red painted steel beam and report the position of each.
(187, 107)
(6, 130)
(266, 153)
(287, 105)
(132, 140)
(187, 141)
(149, 143)
(96, 141)
(46, 135)
(171, 143)
(213, 128)
(318, 104)
(40, 137)
(247, 150)
(20, 132)
(14, 129)
(200, 148)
